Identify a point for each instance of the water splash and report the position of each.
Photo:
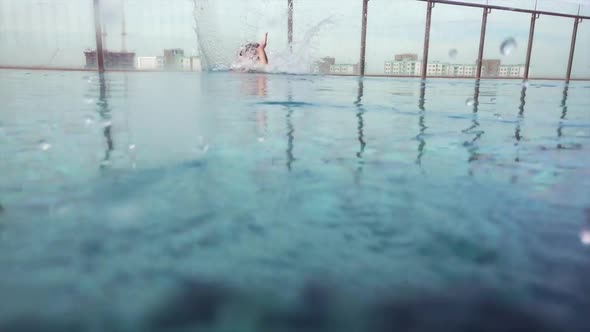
(304, 53)
(218, 45)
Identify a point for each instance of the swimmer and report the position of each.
(252, 55)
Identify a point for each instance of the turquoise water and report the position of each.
(255, 202)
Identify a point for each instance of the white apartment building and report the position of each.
(149, 62)
(192, 63)
(511, 71)
(344, 69)
(414, 67)
(437, 69)
(404, 67)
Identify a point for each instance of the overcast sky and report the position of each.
(55, 32)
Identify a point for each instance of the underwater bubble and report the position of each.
(453, 53)
(132, 147)
(43, 145)
(469, 102)
(508, 46)
(585, 237)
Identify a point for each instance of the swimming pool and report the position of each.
(291, 203)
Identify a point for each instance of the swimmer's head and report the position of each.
(249, 52)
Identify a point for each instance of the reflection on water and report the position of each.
(472, 145)
(360, 111)
(361, 123)
(290, 127)
(421, 123)
(104, 113)
(520, 118)
(563, 115)
(406, 219)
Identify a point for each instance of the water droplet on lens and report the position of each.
(508, 46)
(202, 146)
(469, 102)
(453, 53)
(44, 146)
(88, 120)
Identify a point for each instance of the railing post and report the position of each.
(290, 24)
(98, 32)
(482, 39)
(534, 17)
(363, 38)
(429, 6)
(572, 50)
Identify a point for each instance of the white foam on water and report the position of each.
(219, 46)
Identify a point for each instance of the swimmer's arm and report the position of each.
(261, 50)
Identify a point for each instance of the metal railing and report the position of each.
(487, 10)
(535, 14)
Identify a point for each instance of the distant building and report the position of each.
(406, 56)
(173, 58)
(511, 71)
(191, 63)
(150, 63)
(437, 69)
(462, 70)
(490, 67)
(408, 64)
(323, 65)
(112, 60)
(344, 69)
(404, 64)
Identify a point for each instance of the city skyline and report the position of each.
(409, 64)
(57, 32)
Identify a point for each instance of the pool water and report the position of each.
(260, 202)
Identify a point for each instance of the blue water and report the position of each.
(255, 202)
